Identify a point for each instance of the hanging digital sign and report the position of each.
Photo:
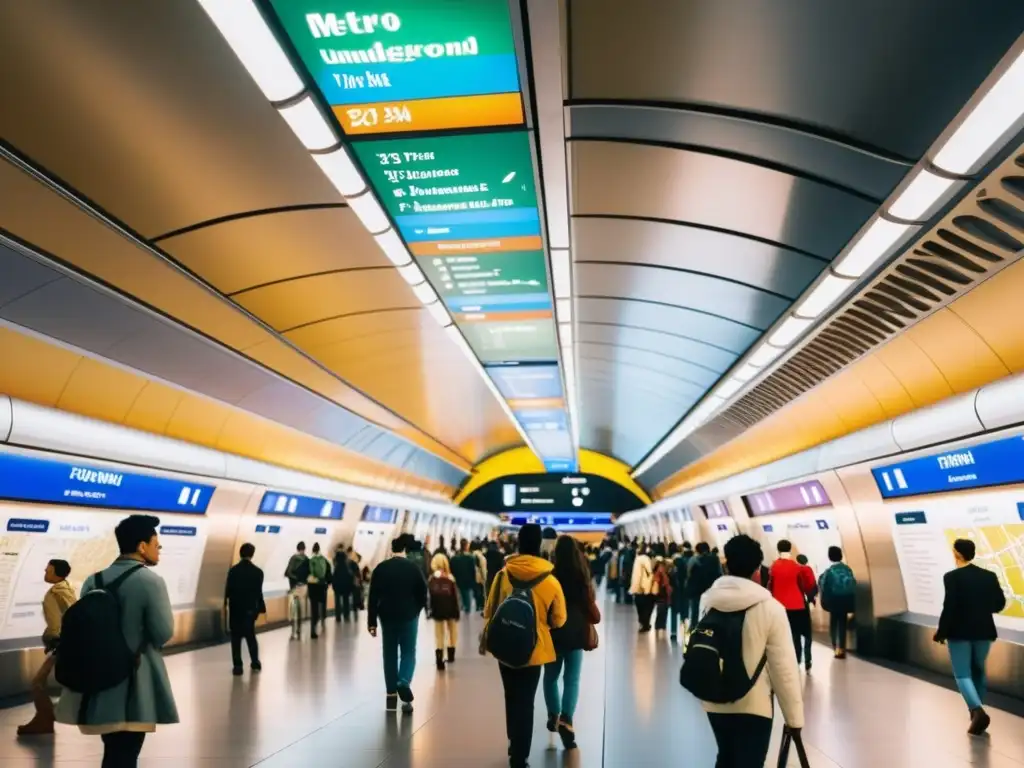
(517, 381)
(475, 277)
(387, 66)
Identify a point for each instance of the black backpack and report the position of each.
(93, 655)
(512, 631)
(713, 668)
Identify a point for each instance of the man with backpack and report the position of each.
(319, 578)
(297, 573)
(525, 603)
(740, 650)
(838, 588)
(109, 662)
(702, 571)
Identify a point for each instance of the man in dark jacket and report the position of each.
(463, 567)
(626, 570)
(704, 568)
(398, 592)
(495, 562)
(343, 581)
(680, 602)
(243, 596)
(966, 625)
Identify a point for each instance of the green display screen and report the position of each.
(479, 276)
(497, 340)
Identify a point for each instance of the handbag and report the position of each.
(591, 643)
(792, 738)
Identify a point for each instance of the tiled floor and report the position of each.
(321, 704)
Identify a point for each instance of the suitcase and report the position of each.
(792, 738)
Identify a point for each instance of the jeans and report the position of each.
(742, 739)
(466, 593)
(520, 684)
(478, 593)
(644, 609)
(837, 626)
(694, 606)
(317, 605)
(968, 658)
(245, 629)
(399, 637)
(342, 604)
(564, 704)
(676, 616)
(121, 749)
(661, 616)
(800, 628)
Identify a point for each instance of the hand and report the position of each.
(373, 631)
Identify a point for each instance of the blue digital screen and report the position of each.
(999, 462)
(290, 505)
(45, 481)
(560, 465)
(373, 514)
(526, 382)
(563, 520)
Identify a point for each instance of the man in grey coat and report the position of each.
(124, 714)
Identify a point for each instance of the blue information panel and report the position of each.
(373, 514)
(526, 382)
(279, 503)
(563, 520)
(999, 462)
(44, 481)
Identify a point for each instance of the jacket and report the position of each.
(701, 573)
(442, 606)
(581, 613)
(765, 628)
(973, 594)
(464, 570)
(495, 562)
(297, 570)
(662, 587)
(243, 593)
(790, 581)
(147, 623)
(398, 591)
(342, 578)
(642, 580)
(57, 599)
(481, 567)
(548, 601)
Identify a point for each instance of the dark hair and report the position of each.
(301, 546)
(785, 545)
(464, 545)
(246, 550)
(965, 548)
(572, 570)
(529, 539)
(398, 545)
(135, 530)
(549, 533)
(61, 567)
(703, 548)
(835, 554)
(316, 547)
(687, 545)
(743, 556)
(802, 559)
(673, 549)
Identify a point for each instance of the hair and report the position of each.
(340, 557)
(835, 554)
(965, 548)
(784, 546)
(301, 546)
(549, 534)
(743, 556)
(246, 550)
(703, 548)
(529, 539)
(464, 545)
(687, 545)
(673, 549)
(135, 530)
(398, 545)
(316, 547)
(440, 563)
(61, 567)
(572, 570)
(802, 559)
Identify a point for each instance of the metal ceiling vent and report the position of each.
(981, 235)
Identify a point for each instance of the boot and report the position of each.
(979, 721)
(42, 723)
(439, 657)
(565, 730)
(451, 655)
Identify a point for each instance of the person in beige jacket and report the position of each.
(743, 728)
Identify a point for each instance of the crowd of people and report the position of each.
(748, 626)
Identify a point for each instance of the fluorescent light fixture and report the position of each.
(425, 293)
(393, 248)
(746, 373)
(563, 309)
(308, 123)
(995, 115)
(440, 314)
(368, 211)
(728, 388)
(764, 355)
(565, 333)
(823, 295)
(920, 196)
(412, 274)
(342, 173)
(787, 333)
(246, 31)
(870, 248)
(561, 273)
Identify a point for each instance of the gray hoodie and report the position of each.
(765, 628)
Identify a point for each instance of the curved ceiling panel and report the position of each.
(744, 303)
(703, 354)
(615, 178)
(630, 375)
(889, 75)
(684, 371)
(695, 249)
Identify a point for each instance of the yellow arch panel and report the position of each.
(915, 370)
(153, 408)
(965, 360)
(992, 310)
(40, 381)
(100, 391)
(887, 390)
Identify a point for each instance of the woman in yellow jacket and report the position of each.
(520, 683)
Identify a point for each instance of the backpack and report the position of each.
(837, 583)
(512, 631)
(93, 655)
(318, 568)
(713, 668)
(441, 589)
(298, 569)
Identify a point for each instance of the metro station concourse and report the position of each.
(645, 273)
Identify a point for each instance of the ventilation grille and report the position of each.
(983, 234)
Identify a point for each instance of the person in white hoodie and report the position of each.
(744, 727)
(642, 586)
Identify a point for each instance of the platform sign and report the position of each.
(374, 514)
(293, 505)
(479, 276)
(409, 65)
(520, 337)
(526, 382)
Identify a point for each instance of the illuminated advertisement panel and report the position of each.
(409, 65)
(526, 382)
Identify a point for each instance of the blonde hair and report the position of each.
(440, 563)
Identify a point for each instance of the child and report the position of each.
(443, 607)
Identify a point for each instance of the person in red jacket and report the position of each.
(790, 584)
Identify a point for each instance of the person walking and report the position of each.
(966, 627)
(398, 593)
(243, 598)
(443, 607)
(319, 578)
(790, 584)
(743, 727)
(495, 562)
(58, 598)
(680, 611)
(477, 550)
(523, 590)
(297, 573)
(662, 593)
(571, 640)
(122, 715)
(627, 559)
(343, 582)
(702, 571)
(642, 588)
(838, 589)
(463, 567)
(613, 573)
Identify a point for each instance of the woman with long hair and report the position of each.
(572, 639)
(443, 608)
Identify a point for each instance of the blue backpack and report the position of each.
(838, 584)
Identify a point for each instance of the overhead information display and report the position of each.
(547, 494)
(291, 505)
(473, 278)
(516, 381)
(386, 66)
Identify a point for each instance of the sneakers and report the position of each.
(237, 671)
(439, 659)
(257, 667)
(566, 731)
(405, 694)
(979, 721)
(392, 702)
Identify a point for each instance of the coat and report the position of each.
(147, 622)
(243, 592)
(548, 601)
(973, 594)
